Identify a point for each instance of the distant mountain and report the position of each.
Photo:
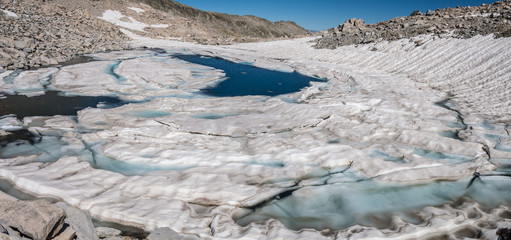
(225, 25)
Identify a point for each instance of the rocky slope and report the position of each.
(460, 22)
(226, 25)
(33, 34)
(36, 33)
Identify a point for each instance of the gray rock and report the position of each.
(28, 49)
(36, 219)
(45, 60)
(10, 233)
(5, 59)
(24, 43)
(164, 234)
(104, 232)
(80, 221)
(367, 40)
(352, 25)
(416, 13)
(68, 234)
(114, 238)
(430, 13)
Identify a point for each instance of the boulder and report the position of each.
(416, 13)
(44, 60)
(80, 221)
(4, 233)
(68, 234)
(10, 234)
(356, 22)
(37, 219)
(5, 59)
(105, 232)
(24, 43)
(352, 25)
(164, 233)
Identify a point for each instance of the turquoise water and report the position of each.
(148, 113)
(242, 79)
(111, 71)
(10, 79)
(497, 139)
(449, 158)
(100, 161)
(52, 148)
(369, 203)
(211, 116)
(387, 157)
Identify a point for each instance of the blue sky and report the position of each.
(324, 14)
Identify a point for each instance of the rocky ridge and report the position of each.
(225, 28)
(459, 22)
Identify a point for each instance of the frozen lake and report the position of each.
(232, 141)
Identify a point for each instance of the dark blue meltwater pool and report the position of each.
(243, 80)
(52, 103)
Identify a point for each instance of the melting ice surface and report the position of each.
(242, 79)
(333, 202)
(369, 203)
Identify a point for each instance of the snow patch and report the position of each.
(117, 17)
(138, 10)
(159, 26)
(485, 15)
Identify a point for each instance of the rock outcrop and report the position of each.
(460, 22)
(38, 219)
(41, 220)
(80, 221)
